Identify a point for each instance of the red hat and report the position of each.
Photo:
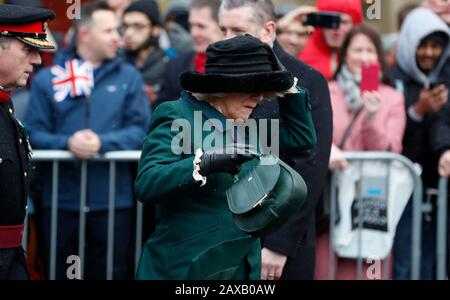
(352, 8)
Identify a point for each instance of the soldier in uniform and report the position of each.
(22, 35)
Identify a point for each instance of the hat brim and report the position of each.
(41, 44)
(278, 81)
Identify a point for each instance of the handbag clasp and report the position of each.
(260, 201)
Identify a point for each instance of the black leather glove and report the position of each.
(225, 160)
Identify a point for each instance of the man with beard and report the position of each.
(141, 26)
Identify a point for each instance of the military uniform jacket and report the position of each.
(195, 237)
(14, 156)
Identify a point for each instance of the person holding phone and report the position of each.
(361, 94)
(423, 76)
(321, 51)
(292, 34)
(368, 115)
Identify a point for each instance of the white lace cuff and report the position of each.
(196, 173)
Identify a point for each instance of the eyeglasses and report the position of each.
(135, 26)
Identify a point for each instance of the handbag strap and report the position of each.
(349, 129)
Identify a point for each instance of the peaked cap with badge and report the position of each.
(27, 24)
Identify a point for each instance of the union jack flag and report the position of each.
(76, 79)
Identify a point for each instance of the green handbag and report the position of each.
(266, 197)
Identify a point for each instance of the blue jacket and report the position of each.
(118, 112)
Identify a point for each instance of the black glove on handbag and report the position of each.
(225, 160)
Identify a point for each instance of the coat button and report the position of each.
(20, 141)
(1, 160)
(87, 209)
(10, 110)
(25, 174)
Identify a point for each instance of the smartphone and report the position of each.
(370, 77)
(435, 84)
(323, 20)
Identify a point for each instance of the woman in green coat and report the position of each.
(192, 150)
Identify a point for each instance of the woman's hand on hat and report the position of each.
(228, 159)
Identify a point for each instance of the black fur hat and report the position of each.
(240, 64)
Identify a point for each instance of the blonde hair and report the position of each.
(208, 97)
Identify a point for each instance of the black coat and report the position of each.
(13, 168)
(439, 124)
(170, 81)
(153, 67)
(296, 238)
(439, 132)
(423, 141)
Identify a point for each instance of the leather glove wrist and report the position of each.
(224, 160)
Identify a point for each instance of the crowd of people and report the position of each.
(124, 73)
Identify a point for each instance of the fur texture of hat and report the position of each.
(240, 64)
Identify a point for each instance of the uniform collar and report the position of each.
(4, 96)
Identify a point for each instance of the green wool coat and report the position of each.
(195, 237)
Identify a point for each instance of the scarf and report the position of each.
(200, 62)
(350, 83)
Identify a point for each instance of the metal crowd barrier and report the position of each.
(442, 218)
(387, 157)
(56, 156)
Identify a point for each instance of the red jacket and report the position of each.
(316, 53)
